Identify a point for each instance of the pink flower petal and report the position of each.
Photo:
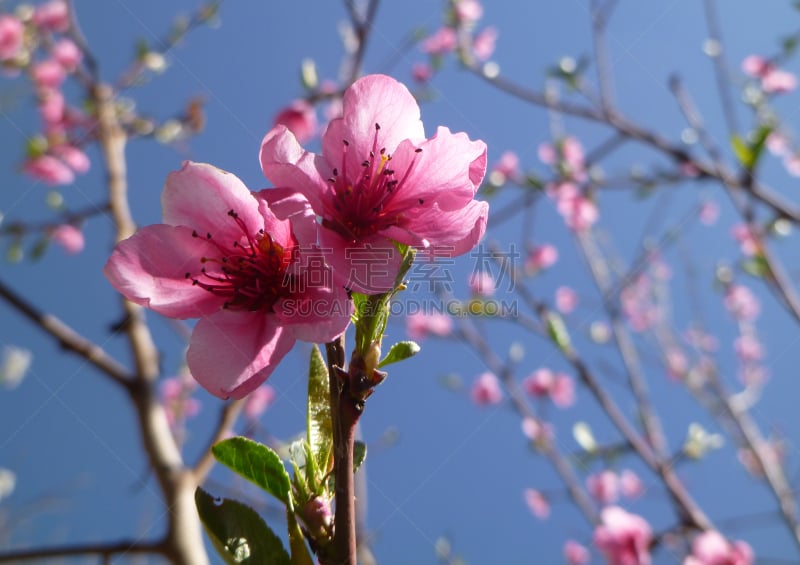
(233, 353)
(150, 269)
(368, 266)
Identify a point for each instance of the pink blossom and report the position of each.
(53, 15)
(176, 398)
(468, 12)
(751, 374)
(709, 213)
(630, 485)
(711, 548)
(507, 167)
(537, 503)
(539, 382)
(748, 349)
(443, 41)
(566, 299)
(562, 391)
(623, 537)
(421, 72)
(531, 429)
(637, 304)
(487, 390)
(792, 164)
(744, 236)
(317, 515)
(51, 106)
(482, 283)
(239, 261)
(777, 143)
(300, 118)
(568, 153)
(540, 258)
(380, 181)
(773, 79)
(69, 237)
(579, 213)
(72, 156)
(11, 35)
(48, 74)
(742, 303)
(676, 362)
(772, 451)
(575, 553)
(419, 325)
(483, 43)
(258, 402)
(67, 54)
(49, 170)
(603, 486)
(701, 340)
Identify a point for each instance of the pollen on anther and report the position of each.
(377, 126)
(418, 150)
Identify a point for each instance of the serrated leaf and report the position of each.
(318, 422)
(257, 463)
(238, 533)
(359, 454)
(399, 351)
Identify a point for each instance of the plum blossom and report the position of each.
(300, 119)
(240, 262)
(48, 74)
(442, 41)
(743, 235)
(579, 212)
(483, 43)
(558, 386)
(53, 15)
(379, 182)
(537, 503)
(711, 548)
(773, 79)
(748, 348)
(630, 485)
(566, 299)
(69, 237)
(258, 401)
(481, 283)
(623, 537)
(420, 325)
(540, 258)
(487, 390)
(575, 553)
(468, 12)
(11, 35)
(566, 154)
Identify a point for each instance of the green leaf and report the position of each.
(297, 541)
(742, 151)
(257, 463)
(359, 454)
(320, 433)
(748, 154)
(557, 331)
(399, 351)
(238, 533)
(756, 266)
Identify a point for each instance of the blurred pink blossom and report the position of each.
(743, 235)
(258, 401)
(540, 258)
(562, 392)
(421, 72)
(51, 106)
(300, 118)
(630, 485)
(177, 400)
(48, 74)
(484, 42)
(709, 213)
(748, 348)
(11, 35)
(539, 382)
(49, 169)
(69, 237)
(676, 361)
(603, 486)
(537, 503)
(442, 41)
(419, 325)
(487, 390)
(711, 548)
(67, 54)
(507, 167)
(73, 156)
(623, 537)
(566, 299)
(742, 303)
(773, 79)
(481, 283)
(777, 143)
(568, 154)
(575, 553)
(52, 15)
(468, 12)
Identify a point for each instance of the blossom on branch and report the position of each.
(242, 262)
(379, 182)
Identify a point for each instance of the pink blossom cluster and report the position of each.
(606, 486)
(39, 47)
(772, 79)
(177, 399)
(540, 257)
(711, 548)
(638, 303)
(420, 325)
(487, 390)
(261, 271)
(444, 41)
(506, 168)
(544, 383)
(623, 538)
(744, 307)
(779, 145)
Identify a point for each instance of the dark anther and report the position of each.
(194, 233)
(421, 201)
(377, 127)
(346, 143)
(335, 172)
(187, 275)
(383, 150)
(208, 236)
(365, 163)
(418, 150)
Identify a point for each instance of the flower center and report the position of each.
(362, 199)
(251, 273)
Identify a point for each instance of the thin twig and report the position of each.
(227, 419)
(122, 548)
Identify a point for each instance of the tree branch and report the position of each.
(124, 547)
